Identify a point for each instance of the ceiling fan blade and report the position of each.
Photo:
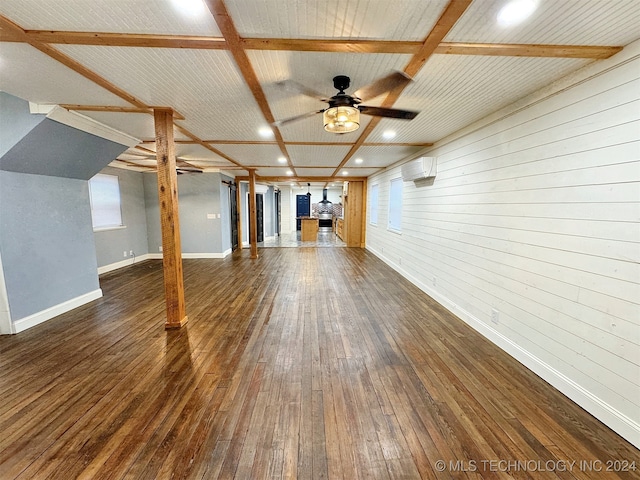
(388, 112)
(296, 87)
(280, 123)
(383, 85)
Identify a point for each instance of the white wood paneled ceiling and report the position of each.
(218, 68)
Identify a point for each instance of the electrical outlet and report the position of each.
(160, 248)
(435, 281)
(399, 260)
(131, 253)
(495, 316)
(125, 254)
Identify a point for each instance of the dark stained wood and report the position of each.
(253, 215)
(304, 363)
(169, 219)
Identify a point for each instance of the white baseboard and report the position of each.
(205, 255)
(124, 263)
(47, 314)
(157, 256)
(620, 423)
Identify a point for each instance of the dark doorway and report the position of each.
(278, 212)
(259, 216)
(303, 208)
(233, 204)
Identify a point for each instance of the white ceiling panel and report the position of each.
(139, 125)
(218, 98)
(452, 91)
(317, 155)
(123, 16)
(380, 156)
(316, 70)
(315, 172)
(203, 85)
(273, 171)
(377, 19)
(357, 172)
(195, 152)
(565, 22)
(27, 73)
(252, 155)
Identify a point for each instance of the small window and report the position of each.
(373, 205)
(104, 192)
(395, 205)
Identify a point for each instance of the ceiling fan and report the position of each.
(343, 113)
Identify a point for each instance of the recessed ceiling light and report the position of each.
(389, 134)
(289, 172)
(359, 160)
(516, 12)
(282, 160)
(265, 132)
(344, 172)
(191, 8)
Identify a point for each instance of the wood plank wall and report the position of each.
(535, 216)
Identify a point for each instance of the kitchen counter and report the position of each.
(309, 229)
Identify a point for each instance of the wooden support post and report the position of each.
(169, 219)
(239, 208)
(253, 214)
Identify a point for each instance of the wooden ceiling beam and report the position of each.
(303, 144)
(334, 46)
(303, 179)
(187, 133)
(128, 39)
(307, 45)
(225, 23)
(527, 50)
(114, 109)
(16, 31)
(451, 14)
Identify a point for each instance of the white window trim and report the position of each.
(115, 180)
(390, 227)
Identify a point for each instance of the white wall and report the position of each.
(535, 214)
(286, 215)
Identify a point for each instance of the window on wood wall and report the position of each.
(373, 205)
(395, 205)
(104, 193)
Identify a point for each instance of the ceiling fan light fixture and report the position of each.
(343, 119)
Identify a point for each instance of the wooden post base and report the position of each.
(172, 326)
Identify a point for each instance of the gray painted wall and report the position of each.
(199, 195)
(46, 239)
(110, 244)
(58, 150)
(15, 121)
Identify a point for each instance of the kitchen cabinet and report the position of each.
(309, 229)
(340, 228)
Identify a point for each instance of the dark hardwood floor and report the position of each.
(305, 363)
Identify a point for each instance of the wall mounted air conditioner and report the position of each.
(422, 168)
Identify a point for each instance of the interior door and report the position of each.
(278, 212)
(259, 217)
(233, 204)
(303, 208)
